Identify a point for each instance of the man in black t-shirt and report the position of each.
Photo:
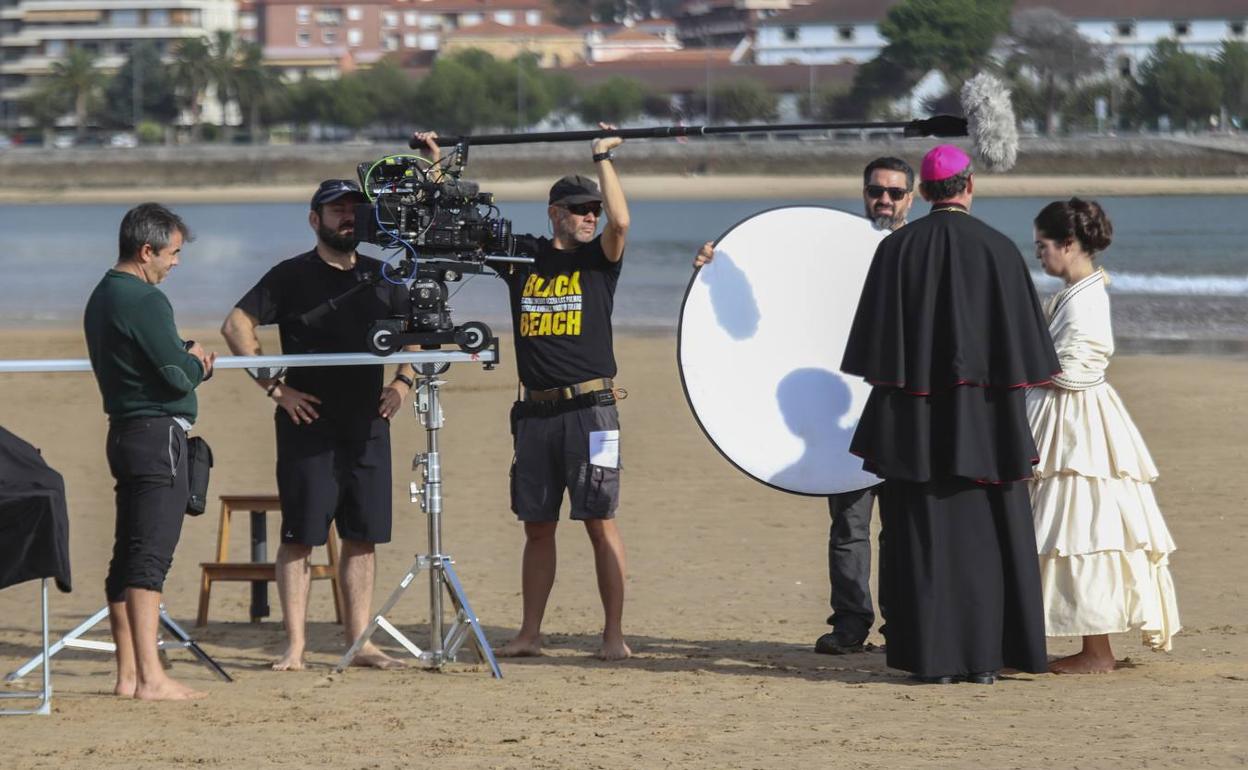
(333, 423)
(566, 428)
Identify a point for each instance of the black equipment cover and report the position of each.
(198, 466)
(949, 330)
(34, 523)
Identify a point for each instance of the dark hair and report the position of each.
(149, 223)
(1076, 220)
(944, 189)
(889, 163)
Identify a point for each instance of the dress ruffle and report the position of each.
(1110, 592)
(1088, 432)
(1113, 515)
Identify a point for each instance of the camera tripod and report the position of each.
(444, 643)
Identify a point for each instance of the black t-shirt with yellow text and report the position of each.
(561, 313)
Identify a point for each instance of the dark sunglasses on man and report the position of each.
(877, 191)
(581, 209)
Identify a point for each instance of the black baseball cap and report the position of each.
(333, 189)
(574, 189)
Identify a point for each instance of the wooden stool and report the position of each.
(258, 572)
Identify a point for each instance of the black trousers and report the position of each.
(849, 563)
(962, 578)
(147, 457)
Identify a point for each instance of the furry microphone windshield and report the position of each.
(990, 122)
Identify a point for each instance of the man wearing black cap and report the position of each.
(566, 427)
(333, 423)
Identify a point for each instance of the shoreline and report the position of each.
(663, 187)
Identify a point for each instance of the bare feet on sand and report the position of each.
(614, 649)
(291, 660)
(167, 689)
(125, 688)
(370, 656)
(521, 648)
(1083, 663)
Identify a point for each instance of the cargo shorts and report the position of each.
(565, 449)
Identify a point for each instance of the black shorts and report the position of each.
(552, 453)
(323, 477)
(147, 457)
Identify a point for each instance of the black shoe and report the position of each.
(833, 643)
(981, 677)
(935, 679)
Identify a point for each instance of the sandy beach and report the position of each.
(728, 590)
(668, 187)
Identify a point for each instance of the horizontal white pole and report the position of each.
(303, 359)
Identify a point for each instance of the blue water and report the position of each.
(1180, 265)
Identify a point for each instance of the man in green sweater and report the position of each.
(147, 376)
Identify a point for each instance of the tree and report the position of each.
(146, 76)
(223, 61)
(456, 96)
(45, 106)
(1048, 46)
(822, 105)
(192, 74)
(1181, 85)
(76, 79)
(258, 88)
(743, 101)
(953, 37)
(1232, 66)
(614, 100)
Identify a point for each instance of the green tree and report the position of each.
(79, 83)
(823, 103)
(953, 37)
(348, 102)
(743, 101)
(614, 100)
(44, 107)
(156, 98)
(192, 73)
(259, 89)
(876, 83)
(456, 96)
(223, 63)
(1181, 85)
(1232, 66)
(1048, 47)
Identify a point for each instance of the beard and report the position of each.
(888, 221)
(344, 243)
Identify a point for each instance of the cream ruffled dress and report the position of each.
(1103, 544)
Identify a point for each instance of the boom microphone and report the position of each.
(990, 122)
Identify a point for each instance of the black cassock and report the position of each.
(949, 332)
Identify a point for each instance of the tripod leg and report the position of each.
(379, 620)
(173, 628)
(461, 601)
(68, 640)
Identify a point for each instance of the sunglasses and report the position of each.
(877, 191)
(581, 209)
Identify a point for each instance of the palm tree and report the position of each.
(76, 79)
(225, 60)
(192, 74)
(257, 86)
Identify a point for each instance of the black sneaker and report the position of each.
(833, 643)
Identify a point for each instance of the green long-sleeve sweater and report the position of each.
(140, 362)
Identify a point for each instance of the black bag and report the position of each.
(198, 463)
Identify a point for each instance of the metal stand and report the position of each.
(45, 696)
(180, 639)
(445, 644)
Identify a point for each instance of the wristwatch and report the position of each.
(404, 379)
(601, 156)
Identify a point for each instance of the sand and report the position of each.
(659, 187)
(727, 593)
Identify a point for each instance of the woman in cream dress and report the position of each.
(1103, 544)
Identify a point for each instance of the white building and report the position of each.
(36, 33)
(830, 31)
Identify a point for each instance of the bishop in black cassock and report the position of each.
(949, 332)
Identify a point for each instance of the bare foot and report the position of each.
(370, 656)
(291, 660)
(1083, 663)
(124, 688)
(615, 649)
(167, 689)
(521, 648)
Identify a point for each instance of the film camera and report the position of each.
(447, 228)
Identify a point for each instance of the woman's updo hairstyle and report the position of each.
(1076, 220)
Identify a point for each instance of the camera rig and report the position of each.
(445, 228)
